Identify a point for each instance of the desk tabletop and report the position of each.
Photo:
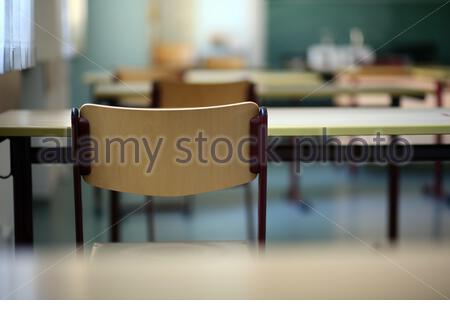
(267, 91)
(121, 90)
(35, 123)
(331, 90)
(357, 121)
(286, 121)
(300, 272)
(96, 77)
(435, 72)
(209, 75)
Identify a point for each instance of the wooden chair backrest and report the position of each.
(173, 55)
(228, 62)
(383, 71)
(145, 75)
(187, 95)
(174, 131)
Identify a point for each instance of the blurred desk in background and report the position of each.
(211, 76)
(283, 76)
(114, 92)
(279, 84)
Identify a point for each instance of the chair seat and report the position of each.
(167, 250)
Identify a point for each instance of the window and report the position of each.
(16, 35)
(73, 23)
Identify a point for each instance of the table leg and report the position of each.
(438, 185)
(294, 186)
(22, 188)
(437, 189)
(395, 101)
(393, 187)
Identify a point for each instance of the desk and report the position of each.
(117, 91)
(274, 76)
(20, 125)
(270, 84)
(297, 272)
(356, 121)
(211, 76)
(441, 73)
(283, 121)
(35, 123)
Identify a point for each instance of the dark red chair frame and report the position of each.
(258, 133)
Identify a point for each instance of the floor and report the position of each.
(339, 204)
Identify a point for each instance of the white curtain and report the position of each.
(16, 35)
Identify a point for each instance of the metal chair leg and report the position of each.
(150, 220)
(294, 184)
(188, 203)
(262, 202)
(249, 210)
(114, 210)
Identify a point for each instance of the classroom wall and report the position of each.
(120, 32)
(117, 34)
(243, 21)
(10, 84)
(293, 25)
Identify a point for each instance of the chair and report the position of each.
(174, 55)
(373, 75)
(383, 70)
(168, 94)
(143, 75)
(116, 168)
(226, 62)
(137, 75)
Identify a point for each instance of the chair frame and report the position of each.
(258, 132)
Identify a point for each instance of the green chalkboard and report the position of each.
(388, 25)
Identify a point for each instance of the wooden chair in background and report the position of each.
(173, 56)
(226, 62)
(378, 75)
(137, 75)
(167, 94)
(143, 75)
(168, 178)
